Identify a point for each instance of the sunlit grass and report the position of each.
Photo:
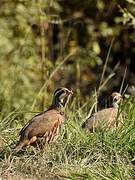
(77, 154)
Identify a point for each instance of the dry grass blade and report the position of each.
(123, 80)
(106, 61)
(107, 79)
(51, 76)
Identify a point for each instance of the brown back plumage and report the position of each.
(106, 117)
(46, 124)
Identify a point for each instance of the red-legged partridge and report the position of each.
(106, 117)
(46, 124)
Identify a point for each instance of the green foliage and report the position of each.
(27, 48)
(32, 65)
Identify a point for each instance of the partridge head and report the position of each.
(106, 117)
(116, 99)
(47, 124)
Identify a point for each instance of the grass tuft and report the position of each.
(105, 154)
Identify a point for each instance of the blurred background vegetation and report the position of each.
(45, 44)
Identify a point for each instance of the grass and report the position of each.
(76, 154)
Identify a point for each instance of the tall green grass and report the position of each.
(77, 154)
